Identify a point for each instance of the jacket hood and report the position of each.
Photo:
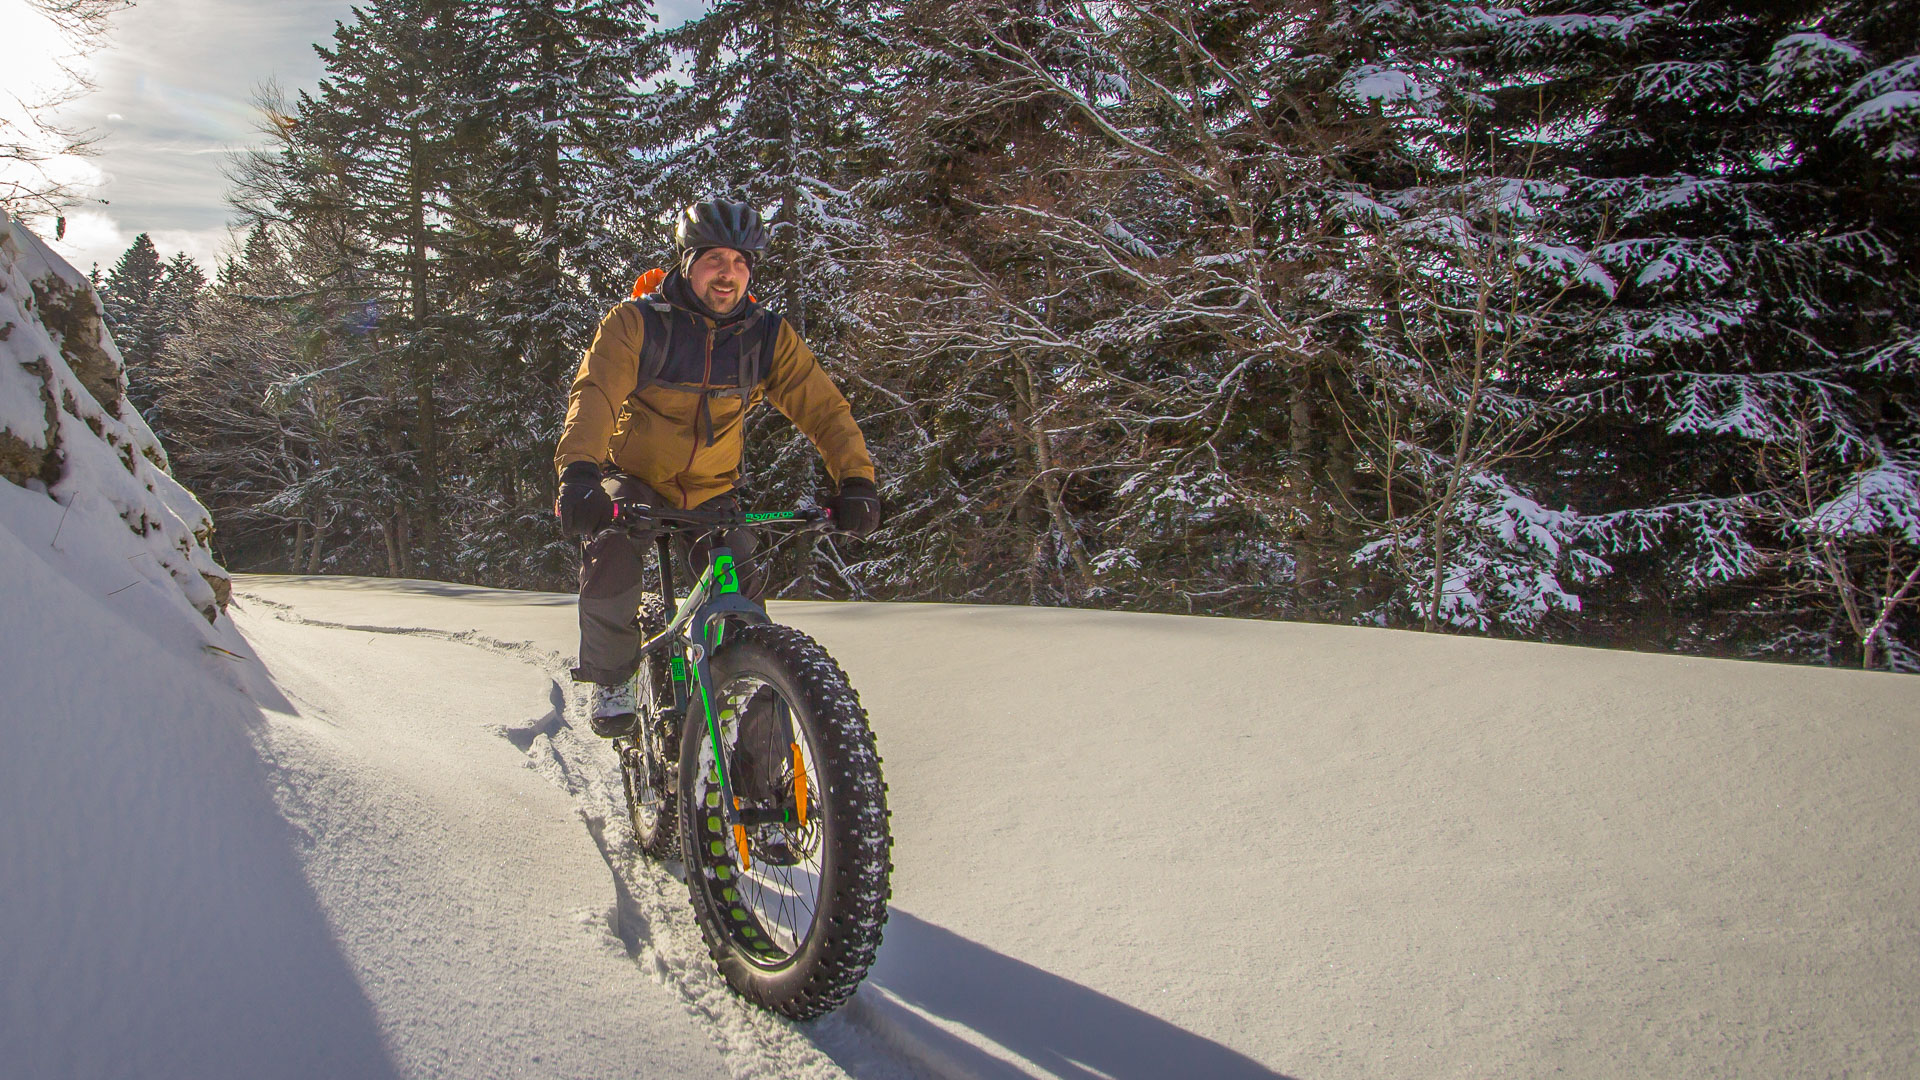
(676, 291)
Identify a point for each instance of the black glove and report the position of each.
(857, 508)
(584, 507)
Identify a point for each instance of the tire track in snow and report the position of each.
(651, 914)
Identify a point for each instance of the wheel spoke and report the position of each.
(779, 903)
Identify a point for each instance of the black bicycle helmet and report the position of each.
(713, 223)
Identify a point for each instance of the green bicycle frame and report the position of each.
(693, 634)
(698, 626)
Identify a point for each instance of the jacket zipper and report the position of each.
(706, 377)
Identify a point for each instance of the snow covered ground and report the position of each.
(352, 828)
(1127, 846)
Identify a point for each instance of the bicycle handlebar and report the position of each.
(631, 515)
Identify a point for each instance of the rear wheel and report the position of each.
(796, 931)
(648, 760)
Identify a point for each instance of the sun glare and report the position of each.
(37, 62)
(39, 68)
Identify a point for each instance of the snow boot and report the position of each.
(612, 710)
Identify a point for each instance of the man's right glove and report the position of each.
(857, 508)
(584, 507)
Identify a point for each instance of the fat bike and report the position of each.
(752, 762)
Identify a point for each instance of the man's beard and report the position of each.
(732, 302)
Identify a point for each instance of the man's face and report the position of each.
(719, 278)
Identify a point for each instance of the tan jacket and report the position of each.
(652, 434)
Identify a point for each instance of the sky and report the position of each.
(173, 102)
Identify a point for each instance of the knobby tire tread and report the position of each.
(663, 840)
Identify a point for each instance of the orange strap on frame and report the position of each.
(740, 841)
(799, 786)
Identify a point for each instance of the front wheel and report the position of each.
(797, 930)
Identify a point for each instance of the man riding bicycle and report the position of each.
(656, 417)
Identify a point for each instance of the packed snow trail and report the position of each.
(466, 892)
(1141, 846)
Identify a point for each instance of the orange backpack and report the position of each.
(648, 282)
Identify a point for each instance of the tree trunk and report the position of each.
(1462, 448)
(1308, 573)
(405, 530)
(419, 356)
(549, 356)
(393, 529)
(318, 549)
(1342, 477)
(1051, 488)
(388, 530)
(299, 546)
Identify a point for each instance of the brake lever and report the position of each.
(624, 512)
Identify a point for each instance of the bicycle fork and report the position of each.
(693, 685)
(722, 582)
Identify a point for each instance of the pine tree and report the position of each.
(147, 302)
(128, 298)
(552, 108)
(1758, 212)
(375, 153)
(175, 301)
(769, 108)
(555, 97)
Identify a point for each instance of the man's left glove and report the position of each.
(857, 508)
(584, 507)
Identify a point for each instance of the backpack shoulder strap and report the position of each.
(656, 318)
(760, 360)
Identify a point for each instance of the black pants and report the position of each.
(610, 582)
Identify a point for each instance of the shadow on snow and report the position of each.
(926, 973)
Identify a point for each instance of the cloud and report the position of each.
(176, 84)
(208, 247)
(174, 101)
(92, 237)
(37, 61)
(96, 238)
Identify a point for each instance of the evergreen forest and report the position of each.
(1580, 321)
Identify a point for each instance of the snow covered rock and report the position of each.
(68, 432)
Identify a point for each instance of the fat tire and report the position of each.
(658, 838)
(855, 842)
